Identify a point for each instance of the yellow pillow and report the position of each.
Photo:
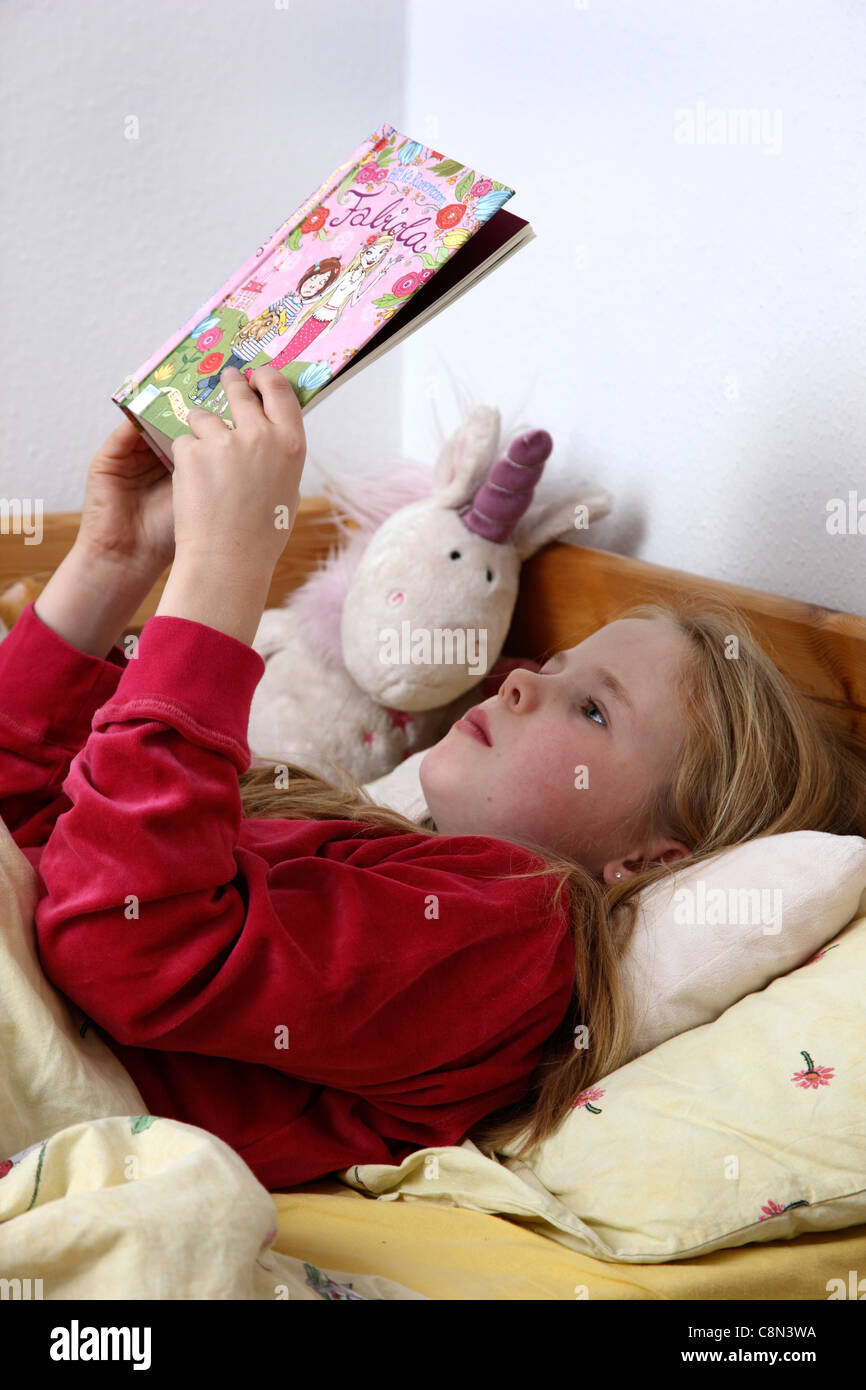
(749, 1128)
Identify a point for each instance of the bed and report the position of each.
(333, 1240)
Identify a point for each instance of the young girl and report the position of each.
(315, 979)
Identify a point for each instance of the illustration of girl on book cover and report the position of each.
(354, 282)
(271, 323)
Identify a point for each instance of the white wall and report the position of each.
(109, 244)
(689, 323)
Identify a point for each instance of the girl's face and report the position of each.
(371, 255)
(575, 751)
(314, 284)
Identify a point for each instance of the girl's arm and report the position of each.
(58, 664)
(142, 891)
(299, 947)
(90, 598)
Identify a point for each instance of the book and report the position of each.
(394, 234)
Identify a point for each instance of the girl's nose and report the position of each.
(519, 688)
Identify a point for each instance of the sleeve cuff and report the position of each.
(194, 678)
(49, 687)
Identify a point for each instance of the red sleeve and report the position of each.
(49, 692)
(343, 960)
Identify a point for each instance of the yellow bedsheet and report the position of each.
(453, 1253)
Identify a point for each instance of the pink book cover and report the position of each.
(347, 261)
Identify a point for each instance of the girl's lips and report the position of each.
(474, 723)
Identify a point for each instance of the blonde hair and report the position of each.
(386, 238)
(757, 759)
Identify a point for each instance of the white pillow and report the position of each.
(716, 931)
(723, 929)
(400, 790)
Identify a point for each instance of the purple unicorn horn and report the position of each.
(507, 490)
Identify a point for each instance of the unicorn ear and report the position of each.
(466, 458)
(562, 517)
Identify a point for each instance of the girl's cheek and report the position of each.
(551, 774)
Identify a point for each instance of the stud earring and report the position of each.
(619, 875)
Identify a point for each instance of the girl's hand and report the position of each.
(236, 492)
(127, 513)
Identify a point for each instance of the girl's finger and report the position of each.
(275, 392)
(244, 403)
(203, 424)
(122, 439)
(279, 401)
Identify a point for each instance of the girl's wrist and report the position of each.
(225, 595)
(91, 597)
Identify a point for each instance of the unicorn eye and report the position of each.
(455, 555)
(489, 577)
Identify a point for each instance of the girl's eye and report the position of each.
(588, 705)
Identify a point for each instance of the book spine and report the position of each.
(131, 384)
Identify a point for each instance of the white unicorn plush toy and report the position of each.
(383, 648)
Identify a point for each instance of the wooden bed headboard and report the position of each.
(566, 593)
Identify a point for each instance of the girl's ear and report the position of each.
(668, 852)
(671, 852)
